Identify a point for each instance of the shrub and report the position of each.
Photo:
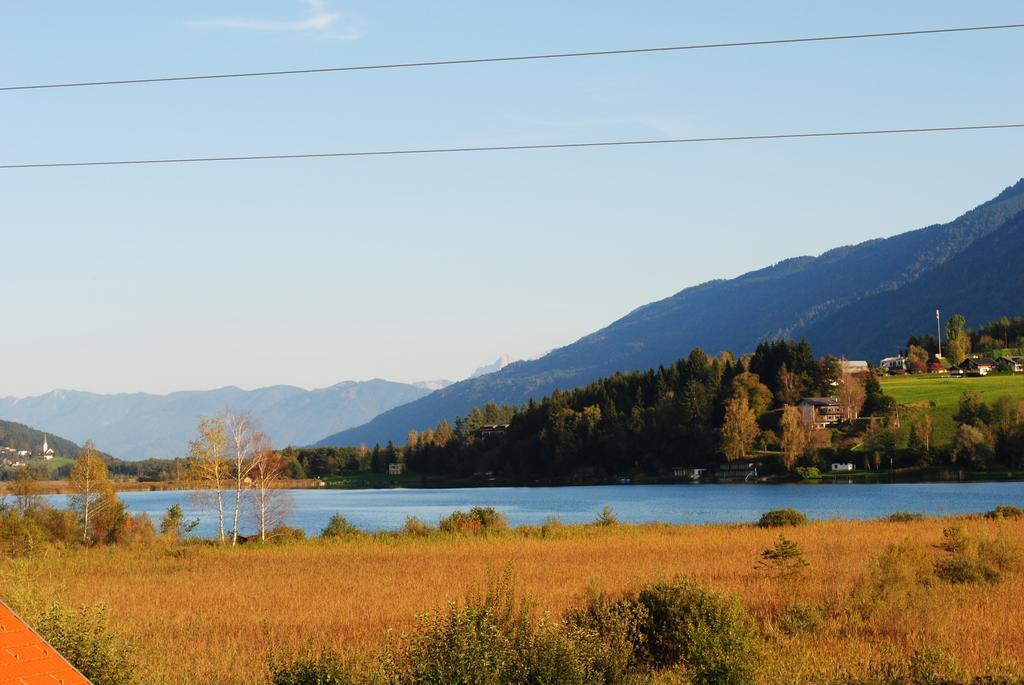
(954, 540)
(491, 639)
(84, 638)
(612, 629)
(20, 534)
(416, 527)
(1004, 552)
(476, 520)
(976, 561)
(339, 527)
(904, 517)
(138, 530)
(552, 525)
(894, 581)
(801, 618)
(966, 568)
(777, 518)
(282, 534)
(711, 635)
(808, 472)
(1005, 511)
(311, 668)
(607, 517)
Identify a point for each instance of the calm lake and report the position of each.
(374, 510)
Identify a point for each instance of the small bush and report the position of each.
(282, 534)
(138, 530)
(490, 639)
(83, 636)
(1003, 552)
(778, 518)
(808, 472)
(339, 527)
(62, 525)
(416, 527)
(904, 517)
(895, 580)
(1005, 511)
(476, 521)
(966, 569)
(954, 539)
(552, 526)
(20, 535)
(612, 629)
(801, 618)
(711, 635)
(607, 517)
(312, 668)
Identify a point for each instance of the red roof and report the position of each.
(27, 659)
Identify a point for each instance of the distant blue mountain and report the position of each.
(861, 301)
(140, 425)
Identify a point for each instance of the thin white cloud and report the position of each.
(320, 18)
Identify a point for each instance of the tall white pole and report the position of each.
(938, 330)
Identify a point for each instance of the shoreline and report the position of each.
(428, 483)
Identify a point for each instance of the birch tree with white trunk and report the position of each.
(245, 440)
(271, 504)
(89, 482)
(208, 467)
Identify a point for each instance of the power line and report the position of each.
(506, 148)
(515, 58)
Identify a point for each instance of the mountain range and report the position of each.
(859, 301)
(141, 425)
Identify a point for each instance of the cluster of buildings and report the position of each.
(974, 365)
(14, 457)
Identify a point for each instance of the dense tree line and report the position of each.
(1006, 332)
(959, 340)
(691, 414)
(988, 435)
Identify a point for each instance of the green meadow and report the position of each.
(942, 395)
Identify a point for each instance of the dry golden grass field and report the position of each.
(202, 614)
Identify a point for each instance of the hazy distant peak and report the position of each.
(497, 365)
(433, 385)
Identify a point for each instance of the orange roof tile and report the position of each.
(27, 659)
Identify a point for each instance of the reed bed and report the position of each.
(203, 614)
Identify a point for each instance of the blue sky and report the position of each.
(311, 272)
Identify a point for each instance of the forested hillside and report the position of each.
(829, 298)
(693, 413)
(21, 437)
(984, 282)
